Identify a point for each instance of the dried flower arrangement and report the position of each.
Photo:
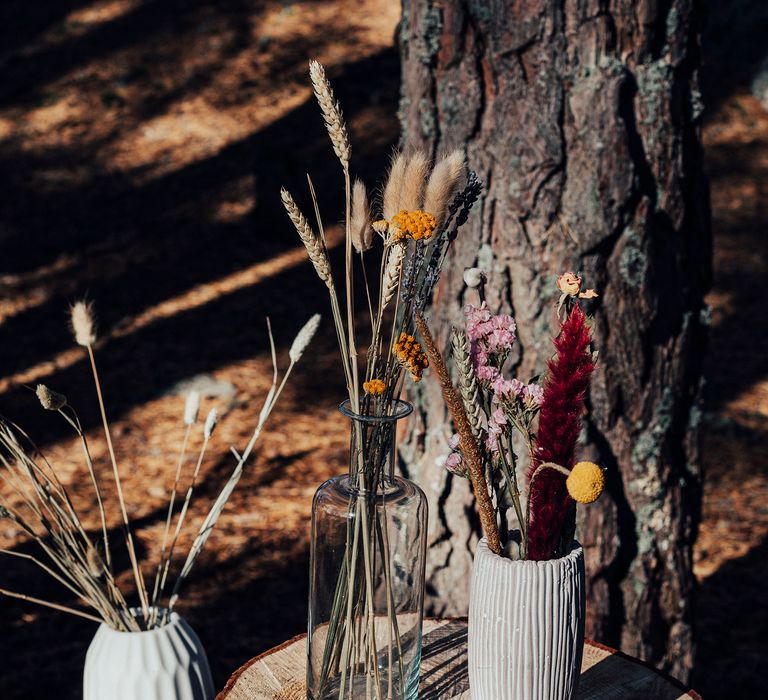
(420, 210)
(82, 562)
(489, 409)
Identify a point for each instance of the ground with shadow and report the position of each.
(142, 147)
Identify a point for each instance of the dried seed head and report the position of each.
(50, 400)
(414, 179)
(334, 120)
(303, 338)
(81, 318)
(473, 277)
(93, 560)
(192, 407)
(391, 279)
(443, 183)
(210, 423)
(360, 224)
(394, 186)
(312, 243)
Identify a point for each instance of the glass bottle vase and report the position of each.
(367, 559)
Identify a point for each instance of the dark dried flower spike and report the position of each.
(566, 387)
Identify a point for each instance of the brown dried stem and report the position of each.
(469, 446)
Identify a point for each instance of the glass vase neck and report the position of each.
(372, 442)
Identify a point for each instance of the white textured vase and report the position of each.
(526, 626)
(168, 663)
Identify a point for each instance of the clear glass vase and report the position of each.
(366, 589)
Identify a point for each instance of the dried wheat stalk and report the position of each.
(467, 381)
(334, 120)
(311, 241)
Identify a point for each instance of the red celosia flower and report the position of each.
(559, 425)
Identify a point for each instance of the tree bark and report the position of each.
(581, 119)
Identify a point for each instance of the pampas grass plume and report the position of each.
(83, 326)
(394, 186)
(362, 232)
(443, 183)
(413, 182)
(210, 423)
(192, 407)
(303, 338)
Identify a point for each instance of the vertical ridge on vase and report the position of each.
(526, 627)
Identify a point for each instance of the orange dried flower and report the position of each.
(410, 355)
(414, 224)
(374, 386)
(569, 283)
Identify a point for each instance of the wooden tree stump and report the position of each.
(605, 673)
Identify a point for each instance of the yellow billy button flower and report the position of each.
(414, 224)
(374, 387)
(585, 483)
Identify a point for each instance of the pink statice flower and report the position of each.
(476, 316)
(533, 395)
(453, 463)
(507, 388)
(454, 441)
(486, 373)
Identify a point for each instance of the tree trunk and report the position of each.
(580, 117)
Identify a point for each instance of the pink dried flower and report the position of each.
(533, 395)
(454, 441)
(453, 463)
(486, 373)
(518, 387)
(499, 418)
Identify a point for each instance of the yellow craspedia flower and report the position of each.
(585, 483)
(414, 224)
(374, 386)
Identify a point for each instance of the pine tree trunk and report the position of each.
(581, 119)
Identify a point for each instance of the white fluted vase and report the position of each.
(526, 626)
(168, 663)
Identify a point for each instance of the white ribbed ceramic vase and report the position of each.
(168, 663)
(526, 626)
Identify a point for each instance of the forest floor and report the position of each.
(142, 148)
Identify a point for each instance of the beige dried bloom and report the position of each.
(414, 180)
(360, 224)
(394, 186)
(83, 327)
(303, 338)
(443, 183)
(473, 277)
(210, 423)
(50, 400)
(192, 407)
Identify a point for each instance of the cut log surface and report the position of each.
(605, 673)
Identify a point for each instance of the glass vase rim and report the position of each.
(400, 409)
